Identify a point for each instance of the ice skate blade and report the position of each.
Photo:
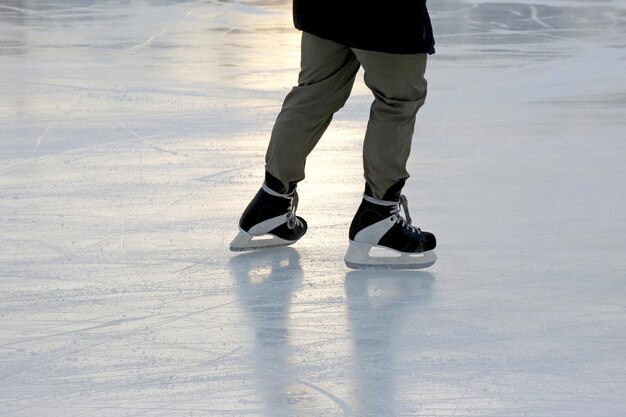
(361, 256)
(244, 241)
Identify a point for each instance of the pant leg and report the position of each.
(325, 81)
(399, 88)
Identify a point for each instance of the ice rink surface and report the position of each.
(132, 135)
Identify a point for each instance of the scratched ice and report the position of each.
(132, 135)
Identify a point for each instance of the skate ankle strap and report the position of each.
(379, 202)
(277, 194)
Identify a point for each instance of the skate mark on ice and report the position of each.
(534, 15)
(45, 132)
(174, 318)
(144, 139)
(158, 213)
(139, 45)
(226, 171)
(131, 229)
(345, 408)
(70, 151)
(193, 268)
(457, 11)
(26, 11)
(150, 39)
(63, 113)
(69, 332)
(463, 395)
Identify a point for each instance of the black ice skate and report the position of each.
(381, 238)
(269, 221)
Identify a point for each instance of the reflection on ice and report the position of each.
(265, 286)
(378, 309)
(379, 306)
(132, 136)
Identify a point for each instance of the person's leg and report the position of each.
(327, 74)
(324, 84)
(399, 88)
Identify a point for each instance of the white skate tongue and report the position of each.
(404, 203)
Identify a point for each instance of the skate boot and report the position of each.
(380, 238)
(269, 221)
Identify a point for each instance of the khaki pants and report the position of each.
(327, 74)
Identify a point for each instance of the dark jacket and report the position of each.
(394, 26)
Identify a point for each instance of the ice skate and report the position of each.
(269, 221)
(380, 238)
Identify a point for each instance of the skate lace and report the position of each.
(396, 217)
(292, 220)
